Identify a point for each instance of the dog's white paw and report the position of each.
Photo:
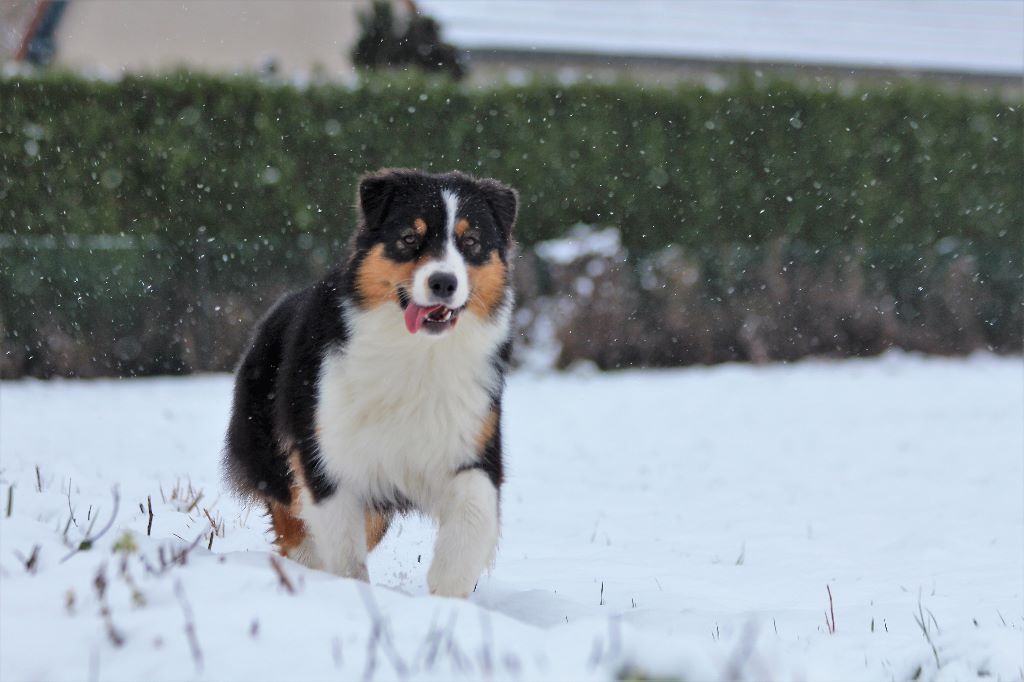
(345, 567)
(467, 535)
(306, 555)
(446, 580)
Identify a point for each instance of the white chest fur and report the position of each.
(400, 412)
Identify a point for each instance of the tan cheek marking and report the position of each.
(461, 226)
(487, 284)
(379, 276)
(490, 425)
(420, 225)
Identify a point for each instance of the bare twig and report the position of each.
(32, 562)
(830, 623)
(336, 652)
(206, 513)
(381, 632)
(443, 635)
(431, 643)
(178, 557)
(88, 531)
(282, 577)
(487, 637)
(458, 660)
(218, 528)
(742, 652)
(190, 627)
(10, 499)
(149, 526)
(371, 652)
(511, 662)
(39, 480)
(138, 598)
(90, 539)
(73, 519)
(195, 503)
(100, 583)
(922, 622)
(432, 631)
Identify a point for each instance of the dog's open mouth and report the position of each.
(433, 319)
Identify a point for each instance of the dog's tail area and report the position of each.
(254, 464)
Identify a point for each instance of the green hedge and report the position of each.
(167, 155)
(234, 181)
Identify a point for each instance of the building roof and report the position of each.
(984, 37)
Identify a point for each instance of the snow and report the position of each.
(980, 36)
(683, 522)
(581, 241)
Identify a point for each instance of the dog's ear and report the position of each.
(504, 203)
(376, 190)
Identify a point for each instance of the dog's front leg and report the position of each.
(338, 527)
(467, 534)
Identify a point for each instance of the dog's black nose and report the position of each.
(443, 284)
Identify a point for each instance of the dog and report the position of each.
(378, 390)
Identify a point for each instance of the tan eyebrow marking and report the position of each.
(421, 226)
(461, 226)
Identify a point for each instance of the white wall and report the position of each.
(227, 36)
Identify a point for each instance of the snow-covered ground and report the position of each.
(687, 523)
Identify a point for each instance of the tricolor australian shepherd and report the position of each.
(378, 390)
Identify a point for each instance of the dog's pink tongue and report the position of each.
(415, 314)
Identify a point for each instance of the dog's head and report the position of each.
(436, 245)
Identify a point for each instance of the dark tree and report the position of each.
(386, 42)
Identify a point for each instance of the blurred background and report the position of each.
(701, 181)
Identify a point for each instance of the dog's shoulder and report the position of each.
(314, 325)
(317, 320)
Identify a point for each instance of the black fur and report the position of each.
(274, 408)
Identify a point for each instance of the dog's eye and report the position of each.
(410, 239)
(469, 241)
